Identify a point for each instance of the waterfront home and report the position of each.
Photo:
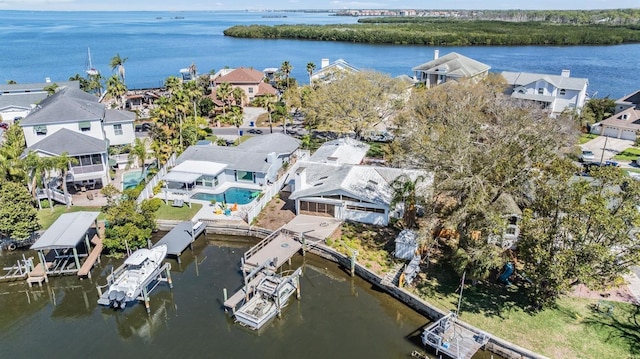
(249, 80)
(16, 100)
(329, 70)
(73, 121)
(625, 123)
(450, 67)
(211, 169)
(333, 183)
(553, 92)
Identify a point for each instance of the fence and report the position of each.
(147, 192)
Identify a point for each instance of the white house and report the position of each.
(17, 100)
(335, 185)
(554, 92)
(625, 122)
(329, 70)
(450, 67)
(73, 121)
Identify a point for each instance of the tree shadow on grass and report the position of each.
(488, 298)
(619, 325)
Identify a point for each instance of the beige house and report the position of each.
(249, 80)
(625, 123)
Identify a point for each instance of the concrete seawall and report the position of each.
(496, 345)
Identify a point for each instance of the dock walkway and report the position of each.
(241, 295)
(280, 246)
(181, 237)
(452, 339)
(94, 256)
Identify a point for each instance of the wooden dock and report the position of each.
(182, 236)
(278, 247)
(18, 271)
(94, 256)
(242, 294)
(452, 339)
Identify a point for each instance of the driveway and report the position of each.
(604, 148)
(251, 114)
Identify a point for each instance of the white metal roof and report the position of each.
(67, 231)
(184, 177)
(201, 167)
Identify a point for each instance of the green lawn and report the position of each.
(574, 329)
(46, 217)
(630, 154)
(586, 137)
(178, 214)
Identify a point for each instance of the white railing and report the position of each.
(147, 192)
(54, 195)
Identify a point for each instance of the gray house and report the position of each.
(450, 67)
(16, 100)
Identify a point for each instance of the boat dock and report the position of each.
(94, 255)
(18, 271)
(182, 236)
(277, 248)
(243, 293)
(452, 339)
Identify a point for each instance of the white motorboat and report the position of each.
(137, 272)
(271, 295)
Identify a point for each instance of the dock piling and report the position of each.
(147, 303)
(224, 294)
(169, 281)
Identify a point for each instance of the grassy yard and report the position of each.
(46, 217)
(183, 213)
(574, 329)
(630, 154)
(586, 137)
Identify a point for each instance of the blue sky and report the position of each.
(308, 4)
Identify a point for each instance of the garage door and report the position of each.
(628, 135)
(314, 208)
(611, 132)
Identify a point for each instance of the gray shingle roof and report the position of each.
(25, 95)
(273, 142)
(232, 156)
(455, 65)
(559, 81)
(65, 140)
(65, 106)
(119, 116)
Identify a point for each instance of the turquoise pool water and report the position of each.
(131, 179)
(231, 195)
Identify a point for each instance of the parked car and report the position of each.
(255, 131)
(587, 156)
(144, 127)
(4, 125)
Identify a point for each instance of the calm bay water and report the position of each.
(337, 316)
(37, 45)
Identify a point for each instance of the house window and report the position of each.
(250, 89)
(365, 209)
(207, 181)
(40, 130)
(563, 92)
(117, 128)
(540, 91)
(244, 176)
(85, 126)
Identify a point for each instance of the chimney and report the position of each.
(324, 63)
(436, 54)
(301, 179)
(272, 157)
(566, 73)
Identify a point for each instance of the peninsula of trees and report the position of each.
(557, 28)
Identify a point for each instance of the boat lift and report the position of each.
(161, 274)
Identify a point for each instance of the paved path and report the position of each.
(604, 148)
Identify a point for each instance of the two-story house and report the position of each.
(17, 100)
(554, 92)
(625, 122)
(450, 67)
(73, 121)
(329, 70)
(251, 81)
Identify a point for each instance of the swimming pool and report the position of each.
(131, 179)
(231, 195)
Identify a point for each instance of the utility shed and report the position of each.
(406, 244)
(63, 244)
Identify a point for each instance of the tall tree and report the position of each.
(139, 152)
(18, 217)
(38, 168)
(239, 96)
(117, 90)
(268, 102)
(286, 69)
(117, 62)
(406, 192)
(311, 67)
(578, 231)
(223, 93)
(62, 163)
(84, 83)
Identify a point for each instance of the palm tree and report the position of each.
(38, 168)
(234, 117)
(286, 68)
(84, 83)
(173, 84)
(117, 62)
(62, 163)
(223, 93)
(51, 89)
(239, 96)
(95, 84)
(311, 67)
(139, 152)
(11, 82)
(405, 191)
(268, 103)
(117, 89)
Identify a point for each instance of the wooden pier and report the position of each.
(182, 236)
(278, 247)
(452, 339)
(18, 271)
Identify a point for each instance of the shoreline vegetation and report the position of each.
(556, 28)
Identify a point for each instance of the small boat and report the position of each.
(91, 71)
(136, 274)
(270, 297)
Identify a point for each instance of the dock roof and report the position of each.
(67, 231)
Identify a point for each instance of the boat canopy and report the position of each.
(138, 257)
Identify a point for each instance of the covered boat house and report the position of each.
(64, 245)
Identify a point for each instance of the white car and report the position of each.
(587, 156)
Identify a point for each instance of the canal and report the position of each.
(337, 317)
